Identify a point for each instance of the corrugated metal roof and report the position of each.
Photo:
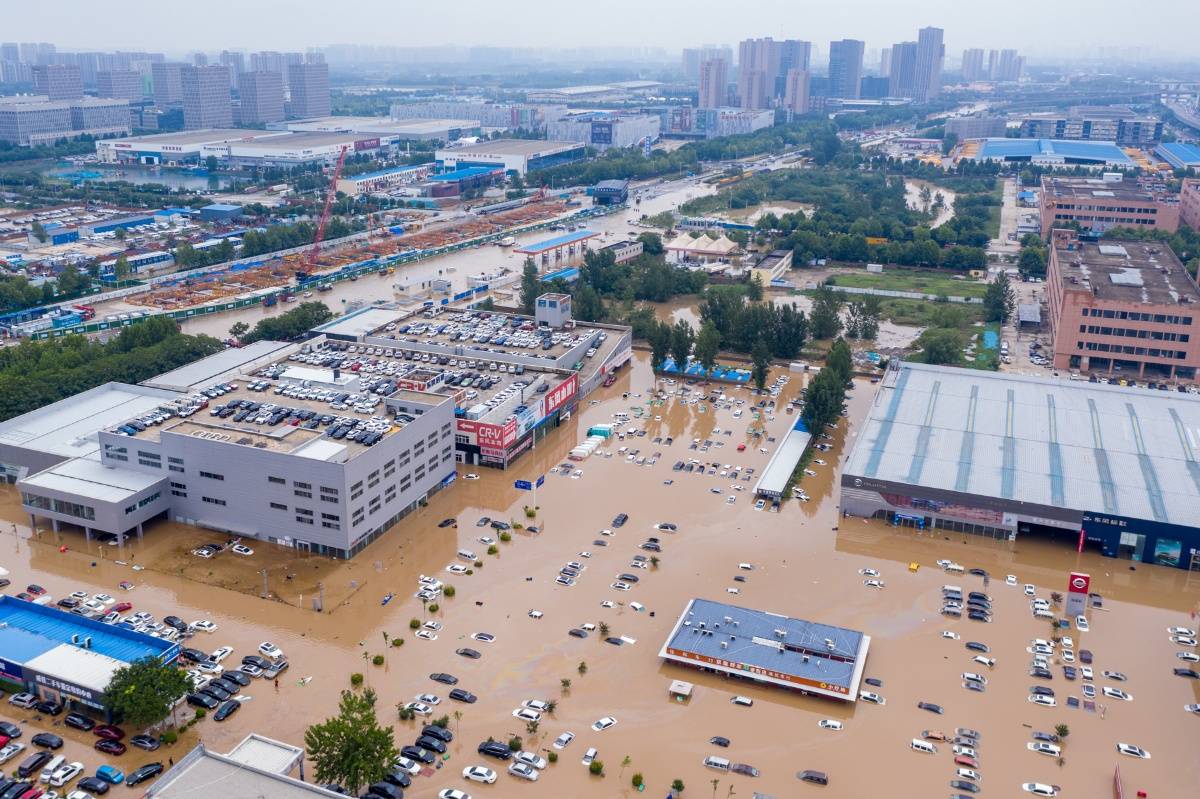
(201, 373)
(783, 461)
(83, 667)
(86, 477)
(1069, 444)
(56, 627)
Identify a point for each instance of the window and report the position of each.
(298, 484)
(331, 525)
(212, 475)
(144, 501)
(175, 460)
(356, 490)
(276, 480)
(389, 468)
(327, 498)
(305, 494)
(175, 468)
(373, 479)
(328, 490)
(278, 506)
(389, 494)
(303, 512)
(333, 517)
(213, 501)
(118, 457)
(151, 455)
(178, 485)
(175, 493)
(151, 464)
(304, 520)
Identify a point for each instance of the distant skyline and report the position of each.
(1070, 28)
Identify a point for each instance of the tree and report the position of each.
(144, 691)
(708, 344)
(39, 231)
(121, 268)
(823, 320)
(651, 243)
(941, 345)
(999, 300)
(1062, 731)
(531, 287)
(840, 361)
(754, 289)
(681, 343)
(862, 317)
(351, 749)
(596, 767)
(660, 344)
(211, 163)
(949, 142)
(290, 325)
(604, 629)
(625, 761)
(239, 329)
(1032, 261)
(677, 785)
(762, 363)
(119, 234)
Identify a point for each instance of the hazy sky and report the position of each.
(1040, 27)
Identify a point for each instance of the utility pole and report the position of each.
(265, 591)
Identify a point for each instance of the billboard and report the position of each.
(561, 394)
(1077, 593)
(366, 144)
(491, 436)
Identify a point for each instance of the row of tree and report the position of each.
(826, 393)
(285, 237)
(740, 323)
(17, 293)
(287, 326)
(37, 373)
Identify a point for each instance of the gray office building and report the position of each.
(235, 62)
(845, 68)
(309, 86)
(262, 97)
(123, 84)
(981, 127)
(32, 124)
(206, 101)
(931, 54)
(903, 70)
(58, 81)
(168, 82)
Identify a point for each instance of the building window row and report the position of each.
(305, 494)
(278, 506)
(1125, 349)
(1138, 316)
(213, 501)
(1130, 332)
(212, 475)
(304, 520)
(177, 493)
(304, 512)
(276, 480)
(151, 464)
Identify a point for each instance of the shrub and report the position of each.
(552, 757)
(201, 712)
(414, 624)
(597, 767)
(449, 591)
(506, 536)
(677, 786)
(377, 660)
(479, 564)
(434, 608)
(493, 549)
(397, 642)
(356, 679)
(514, 743)
(530, 513)
(470, 572)
(442, 722)
(637, 780)
(169, 737)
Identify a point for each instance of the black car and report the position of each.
(227, 709)
(434, 731)
(495, 749)
(176, 622)
(193, 655)
(467, 652)
(615, 641)
(448, 523)
(93, 785)
(978, 572)
(256, 660)
(1040, 673)
(975, 646)
(1041, 690)
(48, 740)
(1048, 737)
(963, 785)
(205, 701)
(228, 686)
(629, 578)
(398, 777)
(432, 744)
(1191, 673)
(16, 789)
(68, 603)
(384, 790)
(216, 692)
(418, 754)
(49, 707)
(978, 615)
(143, 773)
(931, 707)
(718, 740)
(650, 546)
(445, 679)
(979, 595)
(10, 730)
(143, 741)
(236, 677)
(816, 777)
(620, 519)
(79, 722)
(575, 632)
(875, 681)
(33, 764)
(460, 695)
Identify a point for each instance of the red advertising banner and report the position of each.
(561, 394)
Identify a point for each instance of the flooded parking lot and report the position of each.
(807, 563)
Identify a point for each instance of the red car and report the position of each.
(4, 739)
(35, 589)
(110, 747)
(741, 447)
(123, 607)
(969, 762)
(108, 732)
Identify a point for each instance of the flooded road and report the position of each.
(807, 562)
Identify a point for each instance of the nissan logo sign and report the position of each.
(1079, 582)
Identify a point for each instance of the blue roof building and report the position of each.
(1054, 152)
(1179, 155)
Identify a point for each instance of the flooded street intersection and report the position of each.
(807, 563)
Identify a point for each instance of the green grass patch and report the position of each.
(924, 281)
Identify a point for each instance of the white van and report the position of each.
(54, 765)
(918, 745)
(466, 554)
(719, 763)
(744, 701)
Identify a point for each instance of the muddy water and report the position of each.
(807, 561)
(912, 192)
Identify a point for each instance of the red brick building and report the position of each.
(1099, 204)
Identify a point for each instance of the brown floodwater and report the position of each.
(807, 561)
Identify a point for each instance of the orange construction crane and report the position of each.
(330, 194)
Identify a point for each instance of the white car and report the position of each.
(209, 667)
(1194, 708)
(1190, 657)
(220, 653)
(589, 756)
(953, 636)
(105, 599)
(1030, 590)
(65, 774)
(1039, 789)
(1117, 693)
(980, 659)
(535, 614)
(479, 774)
(829, 724)
(971, 676)
(1133, 751)
(456, 568)
(10, 751)
(453, 793)
(1184, 631)
(564, 740)
(269, 649)
(1010, 579)
(620, 586)
(429, 699)
(531, 759)
(420, 708)
(873, 583)
(1081, 624)
(1086, 672)
(524, 771)
(411, 767)
(604, 723)
(869, 572)
(241, 549)
(1183, 640)
(873, 698)
(536, 704)
(428, 635)
(1043, 748)
(1044, 701)
(435, 626)
(1068, 656)
(1068, 642)
(204, 626)
(964, 751)
(525, 714)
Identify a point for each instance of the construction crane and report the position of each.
(330, 194)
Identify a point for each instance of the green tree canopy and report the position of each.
(660, 344)
(824, 320)
(351, 749)
(290, 325)
(941, 345)
(999, 301)
(531, 286)
(761, 355)
(682, 339)
(143, 692)
(708, 344)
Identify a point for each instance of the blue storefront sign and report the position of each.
(1142, 540)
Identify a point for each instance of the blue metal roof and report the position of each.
(466, 173)
(1054, 149)
(557, 241)
(28, 630)
(1179, 154)
(570, 273)
(397, 170)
